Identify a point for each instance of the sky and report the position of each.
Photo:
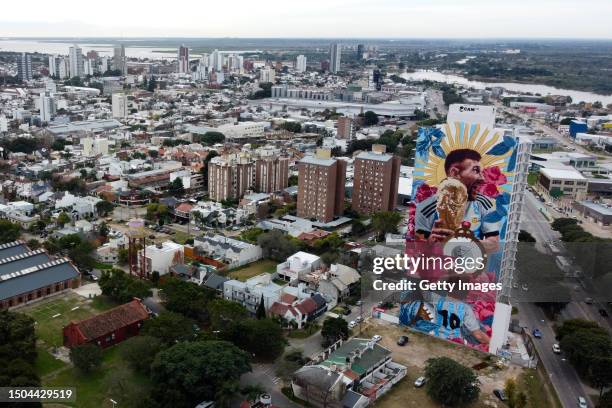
(309, 18)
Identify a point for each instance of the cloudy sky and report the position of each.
(309, 18)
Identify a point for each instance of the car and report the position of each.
(419, 382)
(94, 277)
(346, 312)
(525, 287)
(402, 340)
(537, 333)
(500, 394)
(151, 236)
(556, 348)
(359, 319)
(588, 301)
(352, 324)
(376, 338)
(582, 402)
(603, 313)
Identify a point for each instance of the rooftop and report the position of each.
(600, 208)
(371, 353)
(562, 174)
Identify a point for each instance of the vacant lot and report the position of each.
(254, 269)
(415, 354)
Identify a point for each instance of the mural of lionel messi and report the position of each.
(462, 184)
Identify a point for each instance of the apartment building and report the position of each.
(271, 174)
(345, 128)
(230, 176)
(321, 186)
(376, 179)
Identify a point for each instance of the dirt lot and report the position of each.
(415, 354)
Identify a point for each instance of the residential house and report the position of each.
(297, 311)
(161, 257)
(297, 265)
(230, 251)
(250, 293)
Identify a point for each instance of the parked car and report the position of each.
(419, 382)
(556, 348)
(346, 312)
(359, 319)
(402, 340)
(588, 301)
(352, 324)
(582, 402)
(500, 394)
(376, 338)
(537, 333)
(603, 313)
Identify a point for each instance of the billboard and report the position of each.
(462, 190)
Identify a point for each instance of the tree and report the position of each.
(33, 244)
(333, 330)
(601, 373)
(574, 325)
(293, 180)
(224, 312)
(140, 351)
(264, 337)
(386, 222)
(154, 154)
(169, 328)
(103, 230)
(17, 350)
(370, 118)
(584, 347)
(86, 357)
(152, 85)
(606, 400)
(63, 218)
(104, 208)
(295, 127)
(210, 138)
(9, 231)
(191, 372)
(357, 227)
(525, 236)
(260, 313)
(560, 223)
(275, 245)
(122, 287)
(451, 383)
(186, 298)
(176, 187)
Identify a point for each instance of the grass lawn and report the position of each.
(532, 179)
(103, 266)
(46, 363)
(537, 395)
(254, 269)
(114, 379)
(303, 333)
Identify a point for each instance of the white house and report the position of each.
(230, 251)
(160, 257)
(79, 206)
(300, 263)
(250, 293)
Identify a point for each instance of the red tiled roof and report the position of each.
(184, 207)
(288, 298)
(111, 320)
(280, 309)
(306, 306)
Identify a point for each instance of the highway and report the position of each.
(562, 375)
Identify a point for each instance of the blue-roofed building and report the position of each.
(27, 275)
(577, 126)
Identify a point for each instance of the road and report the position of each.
(264, 376)
(563, 377)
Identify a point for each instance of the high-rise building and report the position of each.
(300, 63)
(230, 176)
(360, 51)
(321, 182)
(376, 180)
(324, 65)
(103, 64)
(24, 67)
(267, 74)
(345, 128)
(47, 107)
(75, 54)
(120, 105)
(183, 60)
(377, 80)
(92, 54)
(54, 61)
(271, 174)
(334, 57)
(216, 60)
(90, 66)
(64, 68)
(119, 60)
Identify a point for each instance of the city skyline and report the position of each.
(341, 19)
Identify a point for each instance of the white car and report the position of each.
(359, 319)
(352, 324)
(556, 348)
(582, 402)
(376, 338)
(420, 382)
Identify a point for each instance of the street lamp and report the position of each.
(113, 402)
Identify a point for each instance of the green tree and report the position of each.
(86, 357)
(152, 85)
(33, 244)
(224, 312)
(275, 245)
(601, 372)
(169, 328)
(333, 330)
(584, 347)
(104, 208)
(264, 337)
(451, 383)
(260, 313)
(293, 180)
(196, 371)
(63, 218)
(210, 138)
(122, 287)
(9, 231)
(176, 187)
(385, 222)
(370, 118)
(525, 236)
(358, 227)
(574, 325)
(103, 230)
(140, 351)
(186, 298)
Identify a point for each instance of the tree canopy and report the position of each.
(333, 330)
(9, 231)
(169, 328)
(122, 287)
(86, 357)
(451, 383)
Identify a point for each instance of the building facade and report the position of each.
(183, 60)
(334, 58)
(375, 184)
(75, 56)
(120, 105)
(321, 182)
(24, 67)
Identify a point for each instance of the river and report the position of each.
(543, 90)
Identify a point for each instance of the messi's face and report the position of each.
(469, 172)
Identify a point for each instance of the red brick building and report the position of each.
(108, 328)
(375, 182)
